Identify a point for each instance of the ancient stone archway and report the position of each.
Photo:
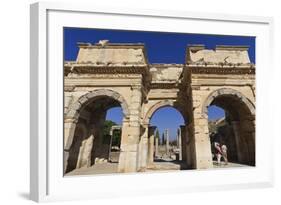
(87, 98)
(120, 75)
(162, 104)
(75, 108)
(239, 131)
(89, 112)
(182, 138)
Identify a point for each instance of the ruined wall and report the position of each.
(111, 54)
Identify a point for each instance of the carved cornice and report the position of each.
(104, 76)
(80, 69)
(222, 70)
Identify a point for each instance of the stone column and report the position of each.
(150, 157)
(143, 149)
(183, 142)
(156, 147)
(167, 141)
(111, 132)
(131, 133)
(179, 142)
(190, 147)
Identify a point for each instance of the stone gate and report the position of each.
(111, 74)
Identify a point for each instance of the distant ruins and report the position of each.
(107, 75)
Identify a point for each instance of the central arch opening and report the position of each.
(168, 125)
(95, 148)
(232, 131)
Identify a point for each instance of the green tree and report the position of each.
(116, 138)
(107, 127)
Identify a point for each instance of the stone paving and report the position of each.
(163, 165)
(105, 168)
(229, 165)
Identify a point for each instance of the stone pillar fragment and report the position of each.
(84, 159)
(151, 131)
(100, 148)
(183, 142)
(179, 143)
(156, 147)
(143, 149)
(167, 141)
(190, 147)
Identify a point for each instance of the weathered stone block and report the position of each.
(72, 114)
(92, 95)
(83, 100)
(75, 106)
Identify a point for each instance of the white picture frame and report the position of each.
(46, 176)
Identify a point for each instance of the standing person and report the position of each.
(218, 152)
(217, 146)
(224, 154)
(224, 151)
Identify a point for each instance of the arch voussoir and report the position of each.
(227, 91)
(83, 99)
(74, 108)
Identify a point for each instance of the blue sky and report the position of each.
(161, 47)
